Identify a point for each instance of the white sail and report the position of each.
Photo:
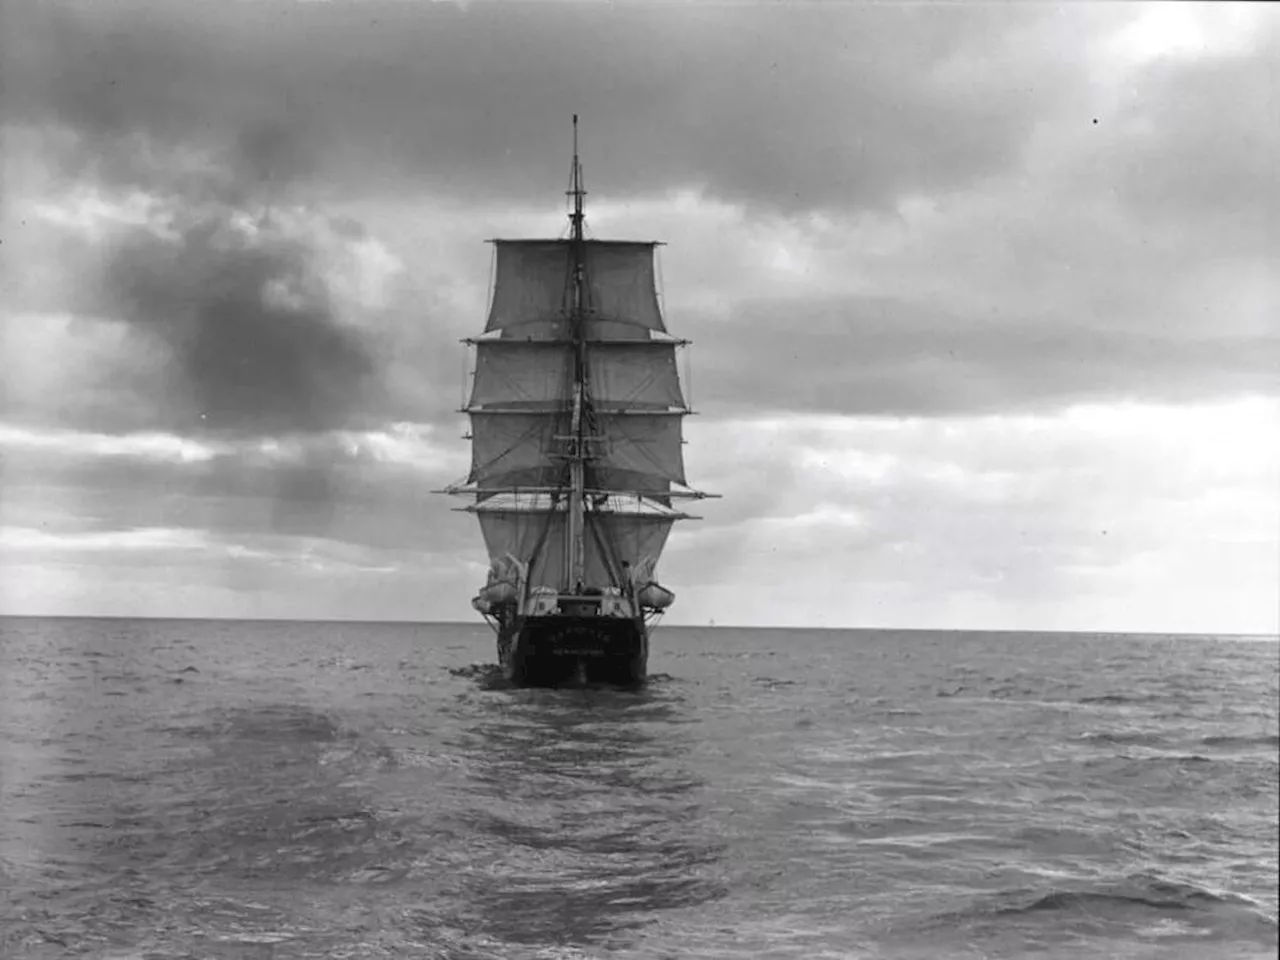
(532, 294)
(576, 409)
(516, 449)
(620, 283)
(639, 375)
(532, 284)
(517, 374)
(513, 374)
(537, 538)
(615, 538)
(641, 452)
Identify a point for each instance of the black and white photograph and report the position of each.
(639, 480)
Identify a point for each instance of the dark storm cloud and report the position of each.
(252, 340)
(788, 106)
(883, 357)
(324, 487)
(127, 78)
(797, 107)
(219, 319)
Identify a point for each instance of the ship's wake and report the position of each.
(489, 676)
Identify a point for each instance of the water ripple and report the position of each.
(349, 790)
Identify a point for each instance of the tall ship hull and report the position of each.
(556, 649)
(577, 467)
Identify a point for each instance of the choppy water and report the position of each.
(281, 790)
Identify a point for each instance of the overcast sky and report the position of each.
(984, 300)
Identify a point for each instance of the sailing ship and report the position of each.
(577, 465)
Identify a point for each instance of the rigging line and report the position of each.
(635, 394)
(463, 366)
(524, 394)
(660, 287)
(648, 381)
(573, 170)
(528, 433)
(493, 279)
(641, 447)
(540, 543)
(688, 373)
(605, 555)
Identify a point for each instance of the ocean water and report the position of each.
(195, 789)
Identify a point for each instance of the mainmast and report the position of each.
(574, 556)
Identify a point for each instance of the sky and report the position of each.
(983, 300)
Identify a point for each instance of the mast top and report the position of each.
(578, 192)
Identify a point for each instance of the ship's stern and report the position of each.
(573, 638)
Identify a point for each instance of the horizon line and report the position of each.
(682, 626)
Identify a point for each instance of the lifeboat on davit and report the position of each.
(655, 596)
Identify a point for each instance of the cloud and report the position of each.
(158, 525)
(187, 311)
(1182, 143)
(179, 572)
(1062, 261)
(1103, 517)
(901, 357)
(1138, 517)
(247, 323)
(911, 247)
(796, 107)
(159, 447)
(365, 488)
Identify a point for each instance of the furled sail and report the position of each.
(532, 294)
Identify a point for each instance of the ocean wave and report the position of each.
(1129, 900)
(476, 671)
(269, 725)
(935, 776)
(489, 676)
(1260, 740)
(1118, 698)
(1123, 737)
(1141, 892)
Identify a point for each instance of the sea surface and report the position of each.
(197, 789)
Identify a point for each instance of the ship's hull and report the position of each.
(559, 649)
